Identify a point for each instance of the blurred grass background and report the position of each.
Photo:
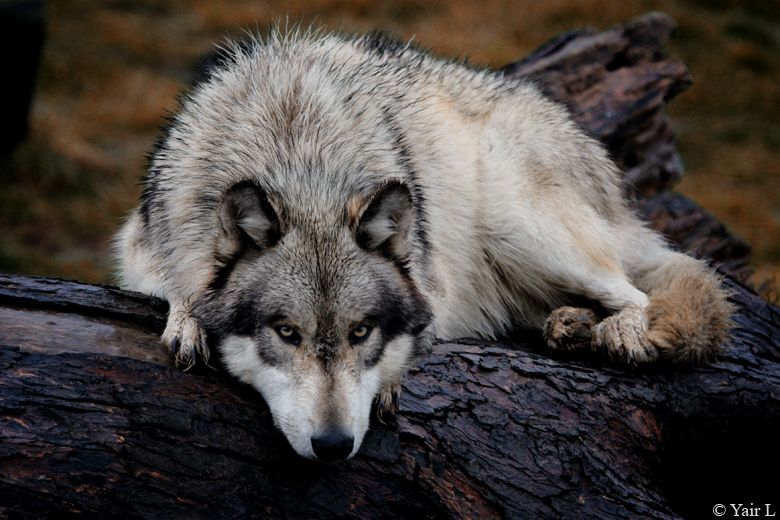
(111, 69)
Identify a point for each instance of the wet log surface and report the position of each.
(483, 430)
(95, 421)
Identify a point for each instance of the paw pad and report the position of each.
(569, 328)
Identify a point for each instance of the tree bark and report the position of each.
(95, 421)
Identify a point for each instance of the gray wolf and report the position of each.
(322, 206)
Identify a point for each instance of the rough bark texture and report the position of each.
(93, 419)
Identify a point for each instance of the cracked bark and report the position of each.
(93, 419)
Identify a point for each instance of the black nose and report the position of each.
(332, 446)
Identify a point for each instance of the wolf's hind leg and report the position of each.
(623, 336)
(685, 317)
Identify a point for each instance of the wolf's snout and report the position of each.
(332, 446)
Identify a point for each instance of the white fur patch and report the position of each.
(295, 402)
(290, 403)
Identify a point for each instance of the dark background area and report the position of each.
(110, 70)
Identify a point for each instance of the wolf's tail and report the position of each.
(689, 313)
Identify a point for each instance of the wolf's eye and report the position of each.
(360, 334)
(288, 334)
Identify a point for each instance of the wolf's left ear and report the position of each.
(386, 224)
(247, 217)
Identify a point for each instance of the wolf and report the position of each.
(322, 206)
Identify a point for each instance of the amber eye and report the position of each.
(360, 333)
(288, 334)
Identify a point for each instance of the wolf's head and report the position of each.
(320, 316)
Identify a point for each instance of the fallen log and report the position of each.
(94, 420)
(483, 430)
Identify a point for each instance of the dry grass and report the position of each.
(112, 69)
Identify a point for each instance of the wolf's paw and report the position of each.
(387, 401)
(569, 328)
(186, 340)
(624, 337)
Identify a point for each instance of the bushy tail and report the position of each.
(689, 313)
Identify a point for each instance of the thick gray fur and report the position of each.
(315, 187)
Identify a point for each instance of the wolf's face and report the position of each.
(318, 318)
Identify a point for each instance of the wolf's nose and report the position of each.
(332, 446)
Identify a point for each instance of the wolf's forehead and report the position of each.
(319, 282)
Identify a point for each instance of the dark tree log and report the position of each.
(95, 421)
(483, 430)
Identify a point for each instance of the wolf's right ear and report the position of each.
(247, 218)
(386, 223)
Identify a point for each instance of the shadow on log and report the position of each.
(93, 419)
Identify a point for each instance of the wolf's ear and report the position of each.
(386, 224)
(247, 217)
